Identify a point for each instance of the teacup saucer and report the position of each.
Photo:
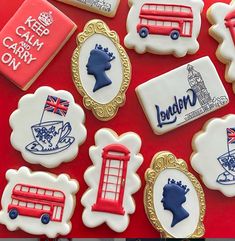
(37, 149)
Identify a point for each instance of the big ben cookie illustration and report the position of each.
(48, 127)
(174, 199)
(164, 26)
(112, 180)
(38, 202)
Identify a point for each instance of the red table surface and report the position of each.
(220, 215)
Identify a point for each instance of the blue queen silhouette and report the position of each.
(173, 198)
(98, 63)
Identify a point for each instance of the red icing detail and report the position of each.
(162, 19)
(112, 180)
(31, 39)
(230, 23)
(34, 201)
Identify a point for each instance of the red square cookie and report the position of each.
(31, 39)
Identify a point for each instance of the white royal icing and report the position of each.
(129, 184)
(48, 134)
(21, 184)
(182, 95)
(214, 154)
(107, 93)
(224, 31)
(159, 40)
(186, 227)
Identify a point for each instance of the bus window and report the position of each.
(159, 23)
(30, 205)
(185, 10)
(38, 206)
(144, 21)
(33, 190)
(160, 8)
(176, 9)
(40, 191)
(15, 202)
(58, 194)
(151, 22)
(175, 24)
(49, 193)
(169, 8)
(167, 24)
(153, 7)
(145, 7)
(25, 189)
(22, 204)
(46, 208)
(17, 188)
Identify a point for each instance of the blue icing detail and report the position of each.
(173, 198)
(168, 116)
(98, 63)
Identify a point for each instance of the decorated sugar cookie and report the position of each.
(174, 200)
(164, 26)
(101, 70)
(48, 127)
(112, 180)
(30, 40)
(38, 202)
(215, 160)
(107, 8)
(182, 95)
(221, 16)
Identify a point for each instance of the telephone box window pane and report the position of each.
(110, 196)
(115, 164)
(113, 171)
(111, 188)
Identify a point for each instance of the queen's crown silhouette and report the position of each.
(46, 18)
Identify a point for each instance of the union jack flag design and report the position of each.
(231, 135)
(56, 105)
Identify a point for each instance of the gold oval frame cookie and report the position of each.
(160, 162)
(107, 111)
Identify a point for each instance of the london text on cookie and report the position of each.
(31, 39)
(221, 16)
(38, 202)
(112, 180)
(107, 8)
(101, 70)
(182, 95)
(214, 154)
(48, 127)
(174, 199)
(164, 26)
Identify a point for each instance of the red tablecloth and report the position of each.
(220, 214)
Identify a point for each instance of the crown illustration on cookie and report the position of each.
(179, 184)
(106, 51)
(46, 18)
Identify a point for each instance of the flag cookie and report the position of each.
(174, 199)
(38, 202)
(164, 26)
(182, 95)
(112, 180)
(221, 16)
(48, 127)
(31, 39)
(214, 154)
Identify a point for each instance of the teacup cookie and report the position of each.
(174, 199)
(30, 40)
(112, 180)
(48, 127)
(221, 16)
(214, 154)
(182, 95)
(38, 202)
(101, 70)
(107, 8)
(164, 26)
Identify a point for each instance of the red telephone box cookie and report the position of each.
(112, 180)
(31, 39)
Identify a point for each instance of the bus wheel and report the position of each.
(144, 32)
(175, 34)
(13, 214)
(45, 219)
